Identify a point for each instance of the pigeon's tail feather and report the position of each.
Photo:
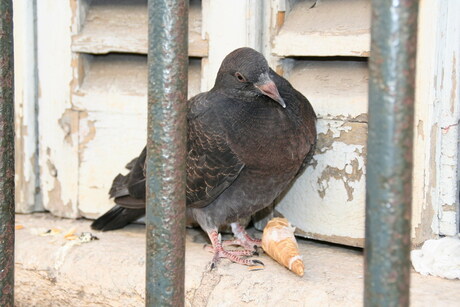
(117, 217)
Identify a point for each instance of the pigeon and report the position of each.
(248, 138)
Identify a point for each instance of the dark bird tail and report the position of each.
(117, 217)
(128, 192)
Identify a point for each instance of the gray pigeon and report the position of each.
(248, 138)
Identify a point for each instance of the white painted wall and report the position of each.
(447, 88)
(436, 137)
(229, 25)
(58, 122)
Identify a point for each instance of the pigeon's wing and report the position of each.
(211, 164)
(129, 190)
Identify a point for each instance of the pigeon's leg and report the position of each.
(243, 238)
(232, 255)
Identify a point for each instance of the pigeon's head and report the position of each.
(246, 72)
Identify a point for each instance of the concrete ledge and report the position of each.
(52, 271)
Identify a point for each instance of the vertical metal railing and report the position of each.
(6, 155)
(389, 171)
(166, 151)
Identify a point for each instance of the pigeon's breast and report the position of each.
(270, 140)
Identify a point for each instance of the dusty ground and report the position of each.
(52, 271)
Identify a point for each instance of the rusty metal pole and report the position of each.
(166, 152)
(389, 160)
(6, 155)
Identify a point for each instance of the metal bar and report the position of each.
(166, 152)
(6, 155)
(389, 160)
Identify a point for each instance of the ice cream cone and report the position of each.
(278, 242)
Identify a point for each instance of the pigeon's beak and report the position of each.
(269, 88)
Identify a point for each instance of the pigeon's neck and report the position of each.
(235, 94)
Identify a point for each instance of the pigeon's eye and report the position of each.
(240, 77)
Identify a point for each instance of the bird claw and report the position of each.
(214, 262)
(257, 265)
(237, 255)
(257, 262)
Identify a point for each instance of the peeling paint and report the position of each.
(25, 167)
(73, 10)
(51, 168)
(425, 229)
(38, 202)
(348, 133)
(77, 78)
(351, 173)
(420, 131)
(69, 124)
(87, 133)
(449, 207)
(361, 118)
(332, 189)
(55, 203)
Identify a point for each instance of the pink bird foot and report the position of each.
(232, 255)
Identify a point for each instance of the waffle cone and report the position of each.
(278, 242)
